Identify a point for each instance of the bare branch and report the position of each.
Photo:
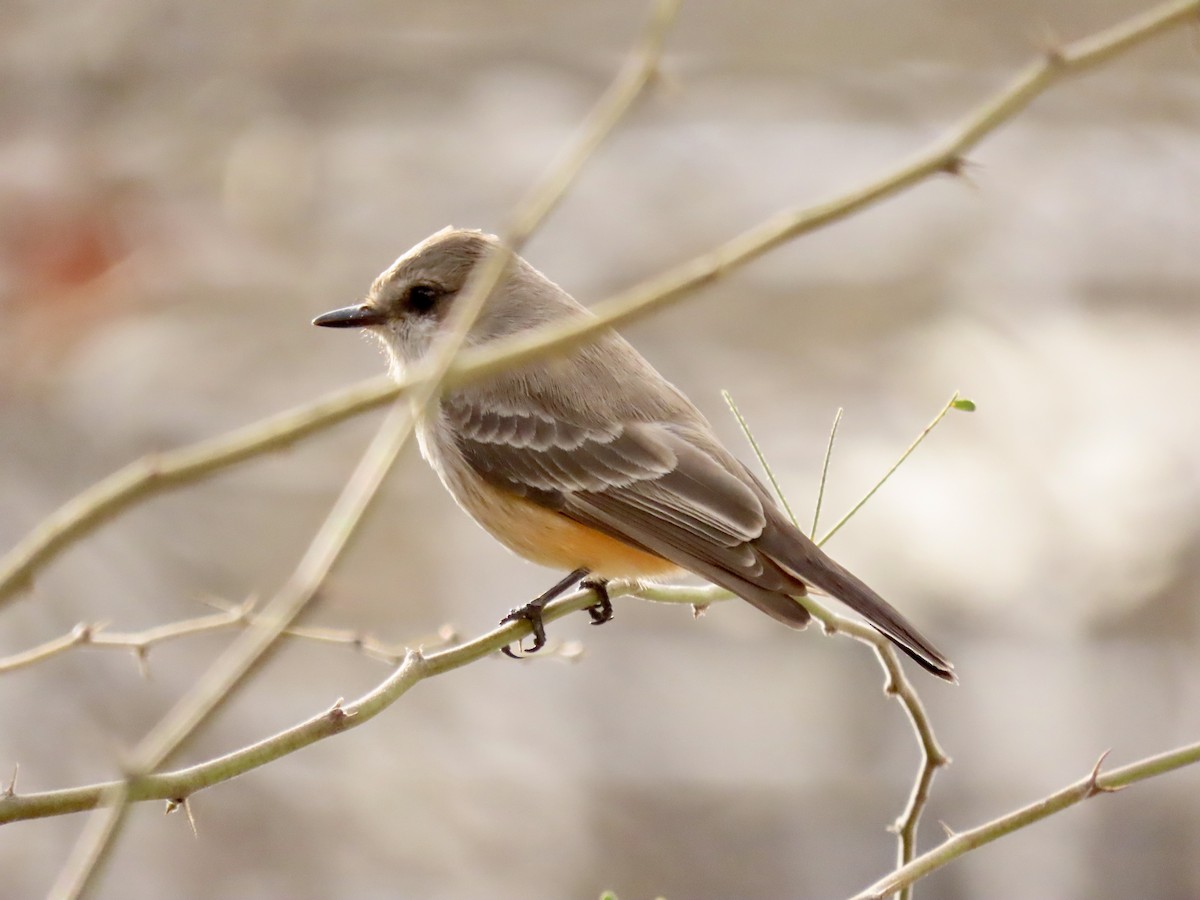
(964, 841)
(932, 755)
(231, 616)
(180, 784)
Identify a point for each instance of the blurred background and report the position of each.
(183, 186)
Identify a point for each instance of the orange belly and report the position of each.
(551, 539)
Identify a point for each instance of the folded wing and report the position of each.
(643, 483)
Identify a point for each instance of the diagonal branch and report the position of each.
(1095, 783)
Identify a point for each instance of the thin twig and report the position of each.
(154, 473)
(240, 615)
(952, 403)
(762, 460)
(837, 419)
(80, 634)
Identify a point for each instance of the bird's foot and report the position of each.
(602, 610)
(531, 612)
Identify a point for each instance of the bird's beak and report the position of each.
(360, 316)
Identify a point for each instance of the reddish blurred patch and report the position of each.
(59, 267)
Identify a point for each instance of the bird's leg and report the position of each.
(602, 610)
(531, 612)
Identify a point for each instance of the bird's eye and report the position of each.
(422, 297)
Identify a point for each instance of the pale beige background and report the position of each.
(183, 186)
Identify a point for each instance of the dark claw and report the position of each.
(602, 610)
(532, 613)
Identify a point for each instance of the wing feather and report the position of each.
(644, 483)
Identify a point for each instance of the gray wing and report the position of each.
(648, 484)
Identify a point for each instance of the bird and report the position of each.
(590, 460)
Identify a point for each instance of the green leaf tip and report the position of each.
(962, 403)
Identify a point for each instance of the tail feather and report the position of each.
(809, 563)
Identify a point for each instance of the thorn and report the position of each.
(1051, 46)
(1055, 57)
(141, 654)
(960, 167)
(949, 832)
(152, 466)
(10, 789)
(1093, 785)
(337, 715)
(172, 805)
(187, 808)
(446, 635)
(954, 165)
(85, 632)
(699, 609)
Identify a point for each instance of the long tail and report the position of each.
(808, 562)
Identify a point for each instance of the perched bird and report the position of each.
(592, 461)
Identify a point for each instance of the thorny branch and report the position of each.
(1094, 784)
